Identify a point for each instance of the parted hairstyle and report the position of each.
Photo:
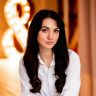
(30, 58)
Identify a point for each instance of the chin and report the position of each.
(49, 47)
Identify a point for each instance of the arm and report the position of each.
(24, 79)
(72, 84)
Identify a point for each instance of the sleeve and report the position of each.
(24, 80)
(72, 84)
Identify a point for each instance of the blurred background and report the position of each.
(80, 24)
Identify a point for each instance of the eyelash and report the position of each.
(56, 31)
(44, 30)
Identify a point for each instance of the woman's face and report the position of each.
(48, 34)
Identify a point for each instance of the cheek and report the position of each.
(57, 37)
(40, 38)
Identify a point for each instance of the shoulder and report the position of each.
(22, 69)
(21, 63)
(73, 54)
(74, 58)
(73, 75)
(74, 62)
(24, 78)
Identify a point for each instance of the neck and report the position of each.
(46, 56)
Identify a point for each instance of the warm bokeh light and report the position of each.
(16, 26)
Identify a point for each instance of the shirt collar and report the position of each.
(42, 62)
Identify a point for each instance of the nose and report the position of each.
(50, 35)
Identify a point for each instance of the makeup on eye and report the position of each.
(45, 28)
(57, 30)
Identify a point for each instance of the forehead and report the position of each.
(49, 22)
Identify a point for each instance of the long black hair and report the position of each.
(60, 50)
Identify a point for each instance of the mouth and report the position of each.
(50, 43)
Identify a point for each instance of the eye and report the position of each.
(44, 30)
(56, 30)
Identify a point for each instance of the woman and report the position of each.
(48, 67)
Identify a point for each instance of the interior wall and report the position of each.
(87, 46)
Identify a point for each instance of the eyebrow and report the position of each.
(48, 27)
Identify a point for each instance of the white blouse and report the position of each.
(72, 84)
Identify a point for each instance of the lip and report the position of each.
(49, 43)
